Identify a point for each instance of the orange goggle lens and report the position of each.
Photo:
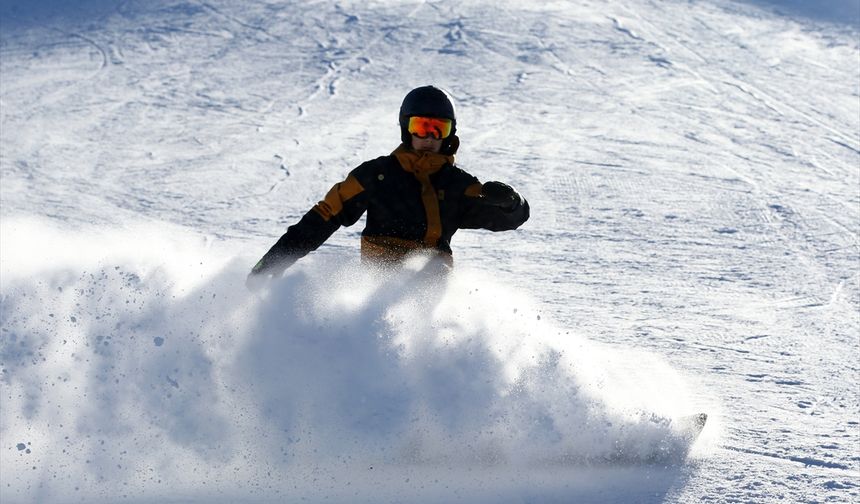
(430, 126)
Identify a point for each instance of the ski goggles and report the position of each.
(424, 127)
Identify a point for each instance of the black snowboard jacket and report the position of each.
(414, 200)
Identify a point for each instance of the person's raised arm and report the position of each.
(495, 206)
(343, 206)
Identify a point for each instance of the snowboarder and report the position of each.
(415, 198)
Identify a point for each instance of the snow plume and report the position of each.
(136, 364)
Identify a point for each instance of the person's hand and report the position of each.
(270, 267)
(261, 274)
(500, 195)
(257, 280)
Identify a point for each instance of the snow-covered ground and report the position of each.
(693, 169)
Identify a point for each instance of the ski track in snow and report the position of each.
(694, 174)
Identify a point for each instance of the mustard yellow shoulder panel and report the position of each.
(333, 202)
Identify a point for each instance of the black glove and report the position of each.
(500, 195)
(256, 281)
(265, 269)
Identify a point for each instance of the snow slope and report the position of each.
(694, 174)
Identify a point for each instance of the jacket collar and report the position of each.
(421, 163)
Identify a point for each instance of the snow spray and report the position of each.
(135, 363)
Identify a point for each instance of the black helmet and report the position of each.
(427, 101)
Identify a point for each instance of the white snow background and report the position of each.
(693, 170)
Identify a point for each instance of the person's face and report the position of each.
(428, 144)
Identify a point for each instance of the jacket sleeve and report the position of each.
(343, 205)
(480, 215)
